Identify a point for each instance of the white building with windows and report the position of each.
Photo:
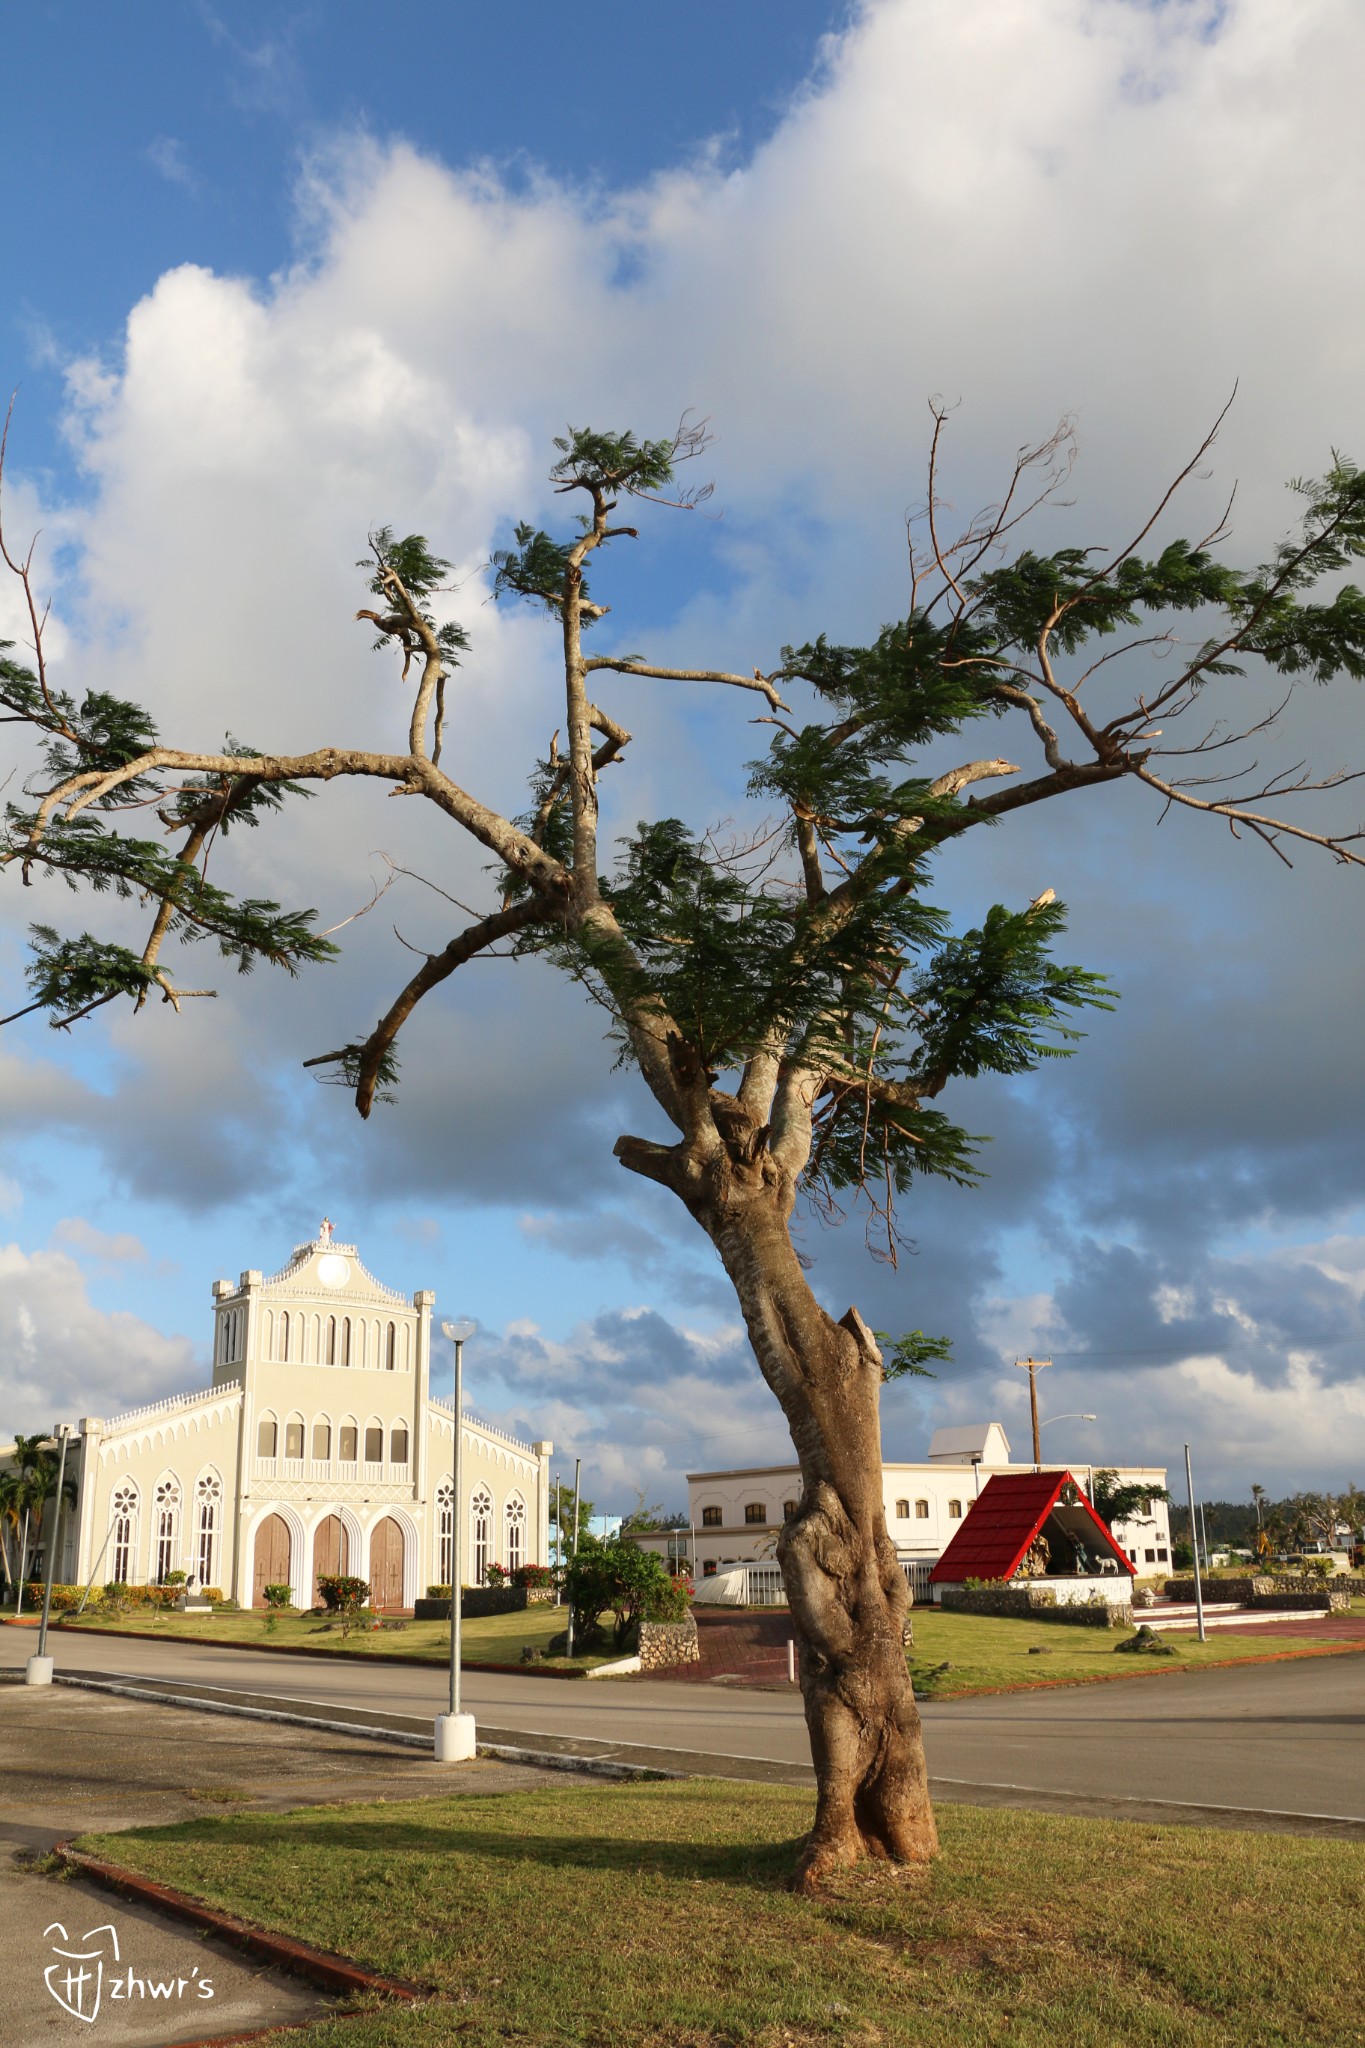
(317, 1448)
(735, 1517)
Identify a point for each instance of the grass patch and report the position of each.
(493, 1639)
(983, 1652)
(656, 1916)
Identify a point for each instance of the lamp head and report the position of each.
(462, 1327)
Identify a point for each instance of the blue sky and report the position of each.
(286, 272)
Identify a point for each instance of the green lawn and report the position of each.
(985, 1653)
(656, 1916)
(494, 1639)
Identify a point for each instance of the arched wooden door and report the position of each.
(272, 1557)
(386, 1564)
(329, 1552)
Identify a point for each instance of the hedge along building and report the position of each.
(318, 1448)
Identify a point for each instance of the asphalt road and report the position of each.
(1264, 1740)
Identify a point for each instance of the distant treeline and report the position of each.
(1300, 1518)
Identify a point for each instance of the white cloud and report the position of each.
(117, 1248)
(1036, 204)
(166, 155)
(65, 1358)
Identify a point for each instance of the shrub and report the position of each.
(342, 1591)
(531, 1575)
(119, 1598)
(174, 1579)
(1182, 1556)
(622, 1578)
(64, 1598)
(495, 1575)
(278, 1596)
(668, 1602)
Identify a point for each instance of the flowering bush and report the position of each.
(278, 1596)
(119, 1596)
(341, 1591)
(64, 1598)
(495, 1575)
(533, 1575)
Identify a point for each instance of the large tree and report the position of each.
(794, 1001)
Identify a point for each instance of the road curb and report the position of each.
(415, 1737)
(334, 1972)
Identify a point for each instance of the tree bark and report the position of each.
(847, 1593)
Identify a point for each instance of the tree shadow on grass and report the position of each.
(764, 1866)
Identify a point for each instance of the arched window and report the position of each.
(955, 1511)
(398, 1444)
(374, 1443)
(712, 1518)
(293, 1438)
(208, 1495)
(123, 1532)
(921, 1510)
(481, 1531)
(167, 1528)
(445, 1532)
(346, 1340)
(390, 1349)
(790, 1510)
(347, 1449)
(267, 1437)
(756, 1512)
(268, 1335)
(322, 1442)
(902, 1510)
(515, 1514)
(331, 1340)
(283, 1353)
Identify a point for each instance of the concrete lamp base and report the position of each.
(38, 1671)
(455, 1742)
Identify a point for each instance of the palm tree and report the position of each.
(35, 1482)
(10, 1513)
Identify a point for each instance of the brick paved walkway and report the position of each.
(739, 1647)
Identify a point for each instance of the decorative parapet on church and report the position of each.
(173, 1404)
(446, 1409)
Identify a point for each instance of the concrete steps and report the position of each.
(1175, 1616)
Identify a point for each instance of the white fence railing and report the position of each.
(917, 1570)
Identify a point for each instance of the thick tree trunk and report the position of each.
(847, 1593)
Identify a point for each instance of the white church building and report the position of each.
(317, 1448)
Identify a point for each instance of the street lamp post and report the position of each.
(455, 1736)
(39, 1669)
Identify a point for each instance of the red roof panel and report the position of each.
(1002, 1522)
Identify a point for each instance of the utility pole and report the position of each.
(577, 1475)
(1033, 1366)
(39, 1670)
(1194, 1545)
(455, 1736)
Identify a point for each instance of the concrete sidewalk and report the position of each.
(74, 1761)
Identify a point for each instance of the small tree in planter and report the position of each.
(341, 1592)
(630, 1582)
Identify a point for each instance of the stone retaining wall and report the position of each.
(668, 1642)
(1270, 1589)
(1033, 1603)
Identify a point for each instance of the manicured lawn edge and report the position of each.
(334, 1972)
(1163, 1670)
(309, 1650)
